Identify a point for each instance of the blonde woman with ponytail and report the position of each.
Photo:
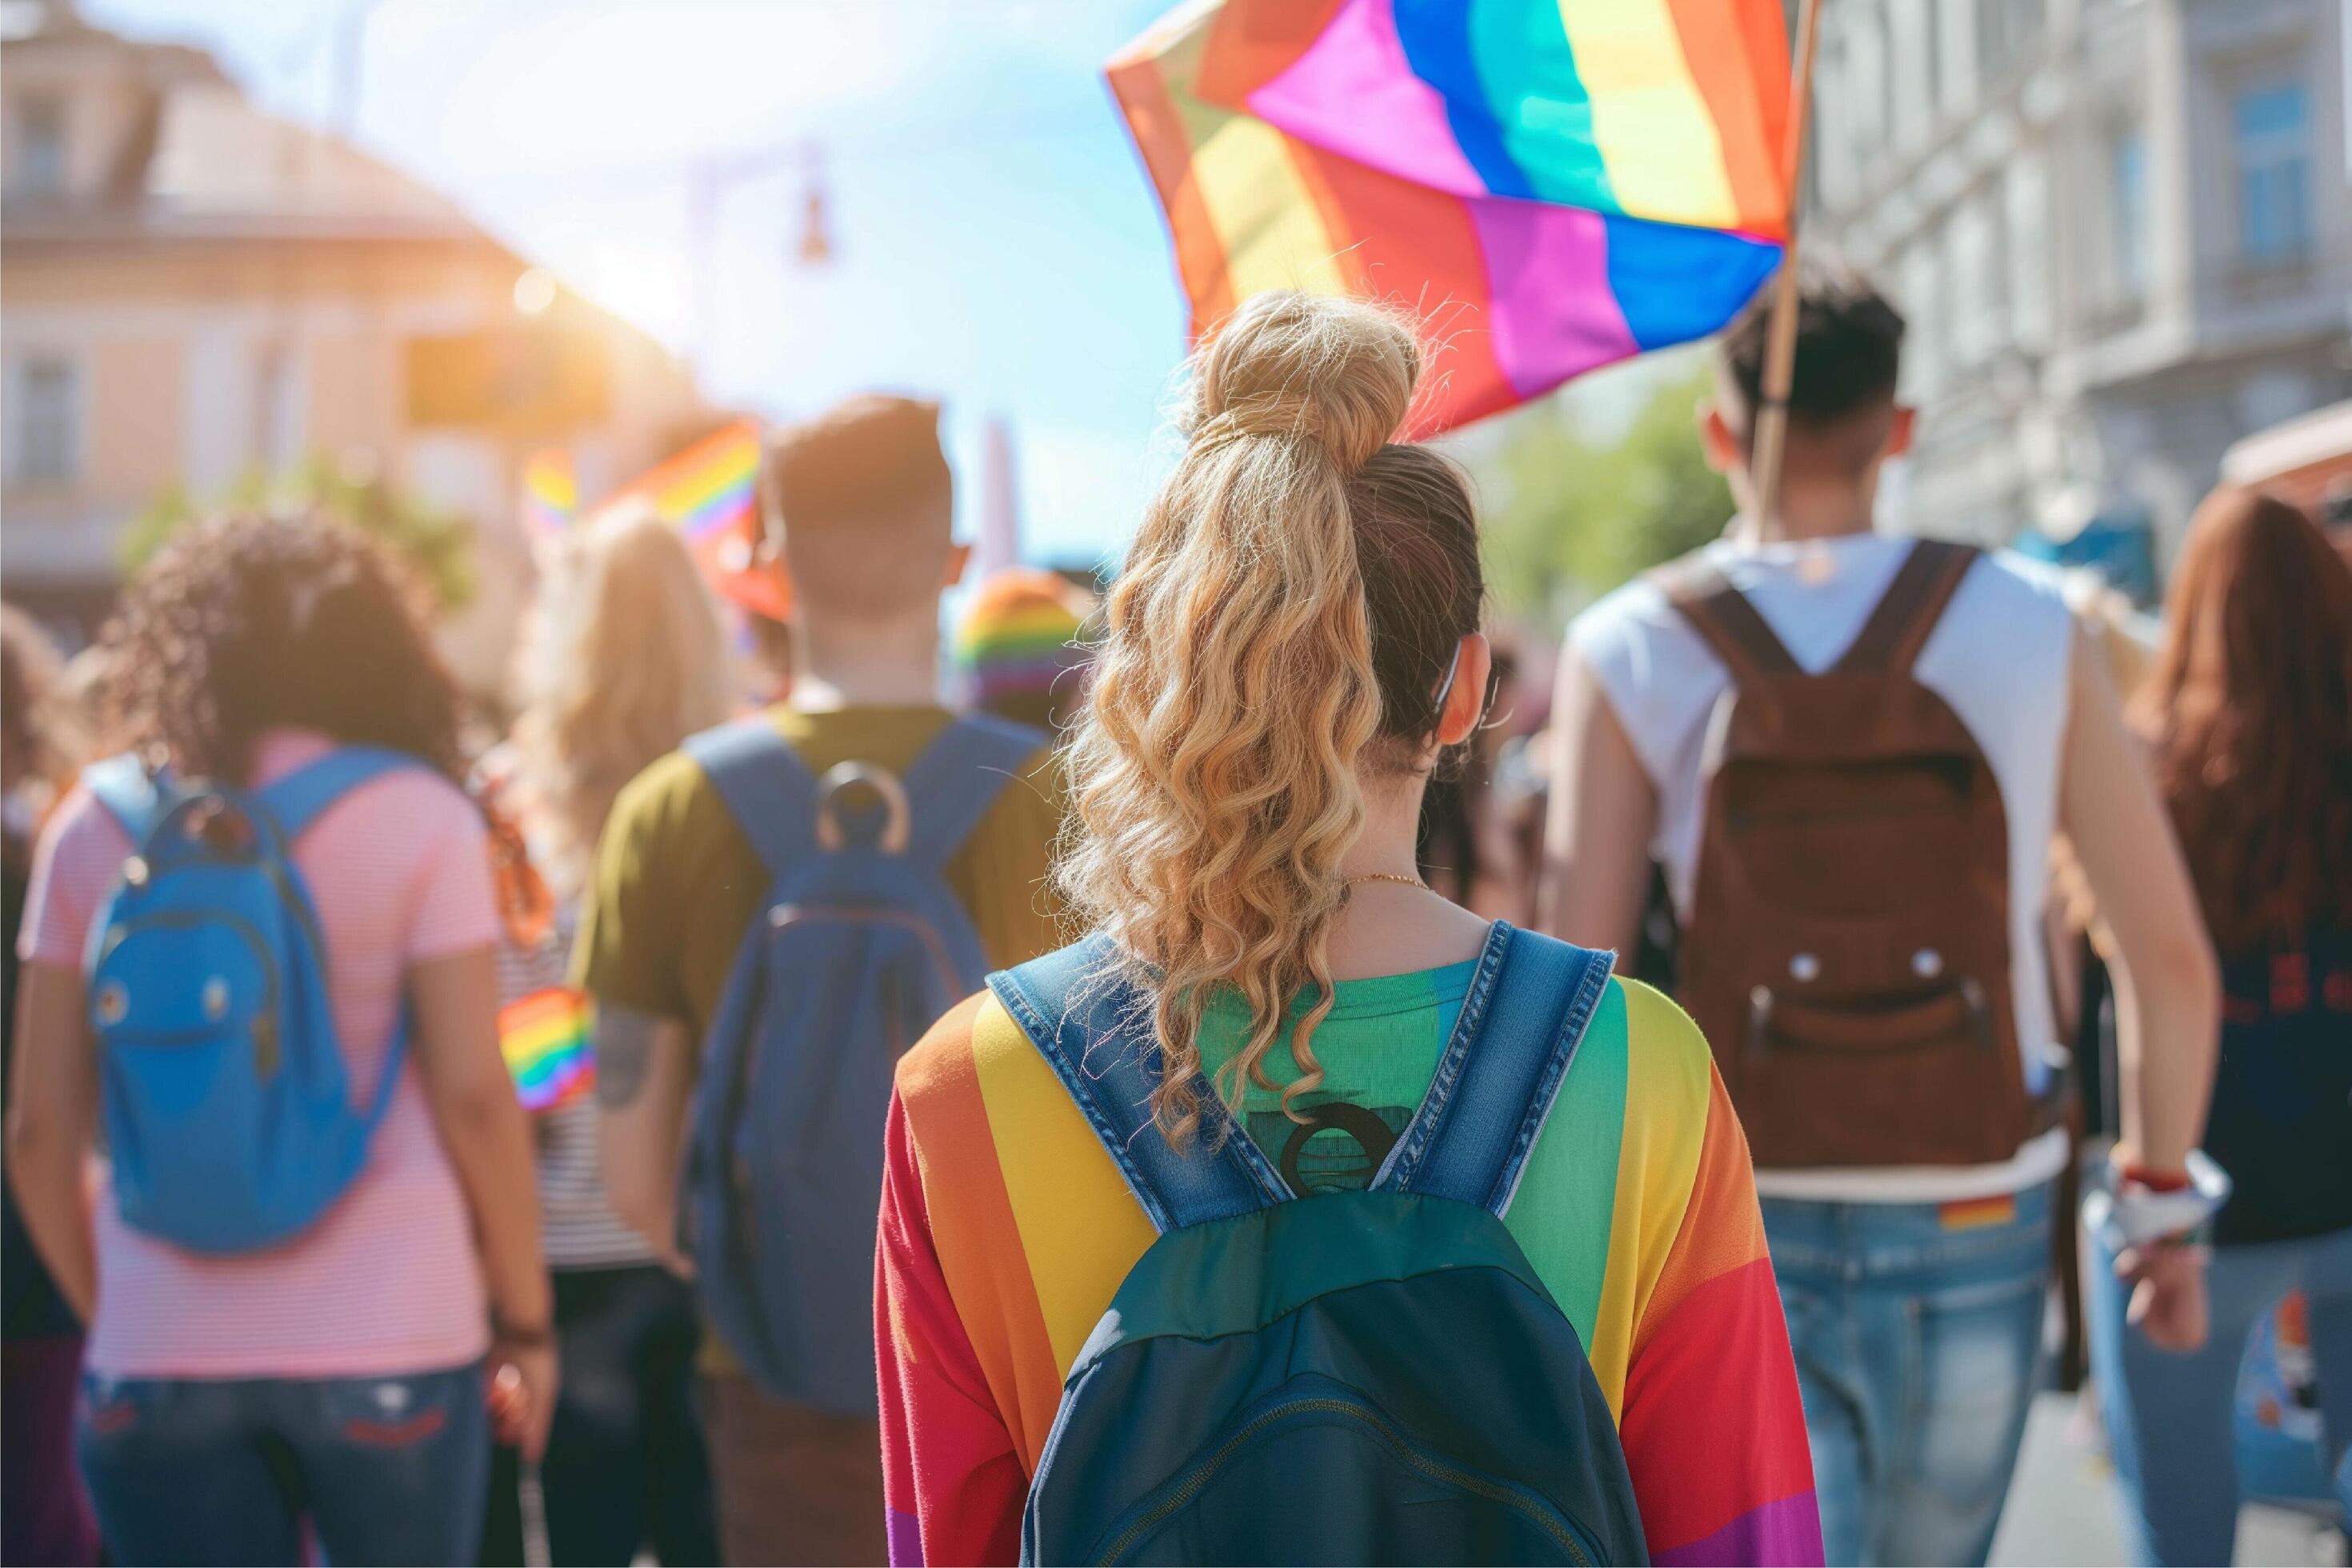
(1269, 1003)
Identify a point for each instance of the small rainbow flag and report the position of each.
(710, 493)
(547, 1040)
(551, 495)
(1554, 185)
(710, 485)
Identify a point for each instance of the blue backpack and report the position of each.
(1372, 1376)
(226, 1105)
(858, 947)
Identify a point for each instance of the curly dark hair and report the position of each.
(251, 621)
(2248, 712)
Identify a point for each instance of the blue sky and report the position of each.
(996, 242)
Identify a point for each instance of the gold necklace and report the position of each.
(1389, 877)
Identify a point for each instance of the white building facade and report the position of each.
(2121, 229)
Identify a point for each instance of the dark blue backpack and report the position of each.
(226, 1105)
(857, 948)
(1356, 1378)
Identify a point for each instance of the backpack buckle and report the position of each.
(897, 819)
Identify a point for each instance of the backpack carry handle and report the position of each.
(897, 819)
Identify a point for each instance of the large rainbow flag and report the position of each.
(1554, 185)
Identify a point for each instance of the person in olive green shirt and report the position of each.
(866, 500)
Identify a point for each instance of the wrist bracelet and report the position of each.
(2155, 1180)
(2128, 1211)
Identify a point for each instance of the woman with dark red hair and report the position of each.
(2248, 715)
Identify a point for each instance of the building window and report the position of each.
(2026, 213)
(1977, 288)
(2006, 31)
(2271, 127)
(45, 433)
(40, 138)
(275, 409)
(2127, 232)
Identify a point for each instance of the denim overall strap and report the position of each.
(1530, 1001)
(1094, 1028)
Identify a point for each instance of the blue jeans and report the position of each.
(385, 1469)
(2171, 1418)
(1918, 1333)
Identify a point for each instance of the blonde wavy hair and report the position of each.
(624, 657)
(1291, 602)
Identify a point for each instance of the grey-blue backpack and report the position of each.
(1373, 1377)
(858, 948)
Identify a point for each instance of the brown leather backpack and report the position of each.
(1847, 953)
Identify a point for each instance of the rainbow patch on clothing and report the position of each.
(1975, 1214)
(547, 1041)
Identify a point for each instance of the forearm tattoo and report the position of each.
(624, 1056)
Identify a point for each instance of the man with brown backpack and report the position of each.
(1851, 753)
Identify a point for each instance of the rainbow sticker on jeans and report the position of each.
(546, 1039)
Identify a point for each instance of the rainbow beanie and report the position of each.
(1019, 640)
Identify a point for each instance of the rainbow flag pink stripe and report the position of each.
(546, 1038)
(1554, 185)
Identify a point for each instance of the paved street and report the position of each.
(2061, 1507)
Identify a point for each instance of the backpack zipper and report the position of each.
(1562, 1534)
(267, 1056)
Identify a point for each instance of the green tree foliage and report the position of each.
(439, 545)
(1570, 517)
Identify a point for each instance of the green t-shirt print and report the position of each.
(1379, 1048)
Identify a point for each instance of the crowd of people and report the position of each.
(730, 1155)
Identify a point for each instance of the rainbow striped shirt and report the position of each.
(1005, 1231)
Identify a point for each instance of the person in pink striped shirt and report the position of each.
(338, 1382)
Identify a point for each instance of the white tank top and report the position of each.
(1999, 656)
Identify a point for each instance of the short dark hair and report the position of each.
(869, 457)
(1849, 347)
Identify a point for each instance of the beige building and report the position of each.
(191, 291)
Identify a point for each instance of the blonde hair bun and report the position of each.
(1338, 373)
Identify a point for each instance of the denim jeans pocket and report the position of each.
(113, 1412)
(393, 1412)
(1970, 1355)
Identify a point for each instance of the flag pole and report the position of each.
(1780, 343)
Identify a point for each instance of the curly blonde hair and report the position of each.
(623, 657)
(1291, 602)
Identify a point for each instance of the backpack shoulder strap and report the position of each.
(765, 785)
(1908, 612)
(951, 786)
(295, 801)
(1094, 1029)
(1732, 626)
(1502, 1072)
(130, 795)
